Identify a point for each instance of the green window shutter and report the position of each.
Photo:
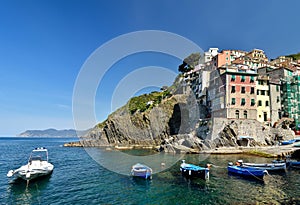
(233, 101)
(243, 101)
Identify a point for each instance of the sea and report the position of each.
(83, 176)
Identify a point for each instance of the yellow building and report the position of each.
(263, 99)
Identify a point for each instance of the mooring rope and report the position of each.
(256, 176)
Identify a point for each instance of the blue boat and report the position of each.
(287, 142)
(191, 170)
(247, 171)
(293, 164)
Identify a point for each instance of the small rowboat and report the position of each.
(247, 171)
(297, 144)
(293, 164)
(140, 170)
(287, 142)
(268, 166)
(191, 170)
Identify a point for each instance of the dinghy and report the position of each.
(140, 170)
(191, 170)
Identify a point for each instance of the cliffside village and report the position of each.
(236, 84)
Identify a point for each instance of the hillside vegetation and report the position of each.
(147, 101)
(295, 56)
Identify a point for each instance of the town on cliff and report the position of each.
(230, 98)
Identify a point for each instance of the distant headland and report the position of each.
(52, 133)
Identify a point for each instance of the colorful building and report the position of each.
(232, 93)
(274, 90)
(254, 59)
(263, 99)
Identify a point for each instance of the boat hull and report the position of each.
(288, 142)
(193, 171)
(247, 171)
(28, 173)
(142, 171)
(268, 167)
(293, 164)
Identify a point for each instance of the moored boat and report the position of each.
(287, 142)
(141, 170)
(293, 164)
(191, 170)
(37, 166)
(265, 166)
(297, 144)
(246, 171)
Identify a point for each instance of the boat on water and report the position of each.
(191, 170)
(141, 170)
(264, 166)
(287, 142)
(37, 166)
(293, 164)
(297, 144)
(246, 171)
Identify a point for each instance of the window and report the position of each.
(252, 90)
(260, 82)
(232, 89)
(243, 90)
(251, 79)
(262, 92)
(245, 114)
(278, 99)
(257, 92)
(259, 103)
(237, 114)
(232, 101)
(277, 88)
(267, 103)
(243, 102)
(243, 78)
(233, 78)
(252, 102)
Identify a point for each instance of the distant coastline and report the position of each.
(65, 133)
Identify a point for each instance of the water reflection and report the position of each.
(19, 193)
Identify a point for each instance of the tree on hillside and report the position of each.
(189, 63)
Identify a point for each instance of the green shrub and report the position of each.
(143, 102)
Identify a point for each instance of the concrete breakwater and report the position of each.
(263, 151)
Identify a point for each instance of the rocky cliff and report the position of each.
(171, 124)
(173, 116)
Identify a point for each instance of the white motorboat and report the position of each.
(37, 166)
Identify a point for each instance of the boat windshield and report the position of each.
(39, 154)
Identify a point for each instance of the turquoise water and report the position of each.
(78, 179)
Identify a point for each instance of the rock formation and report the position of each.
(172, 125)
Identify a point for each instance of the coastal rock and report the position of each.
(154, 127)
(172, 124)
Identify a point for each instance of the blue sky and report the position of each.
(43, 45)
